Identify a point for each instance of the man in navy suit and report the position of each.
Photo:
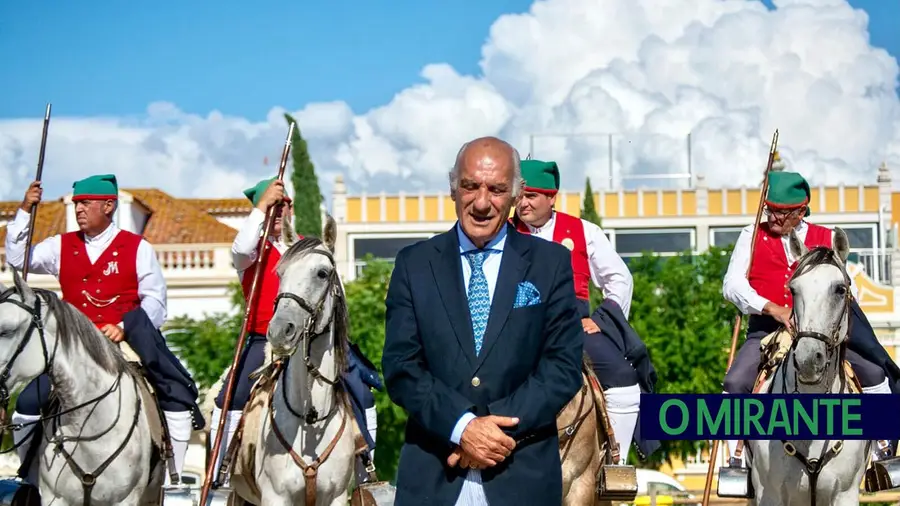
(483, 348)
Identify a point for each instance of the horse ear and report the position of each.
(798, 249)
(23, 288)
(841, 244)
(329, 232)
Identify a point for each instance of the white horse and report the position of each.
(298, 435)
(813, 364)
(96, 448)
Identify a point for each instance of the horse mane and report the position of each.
(73, 327)
(297, 250)
(339, 317)
(820, 255)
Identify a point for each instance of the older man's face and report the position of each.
(783, 221)
(484, 197)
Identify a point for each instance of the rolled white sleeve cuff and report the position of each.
(757, 303)
(461, 426)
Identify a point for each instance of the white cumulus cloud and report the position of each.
(561, 77)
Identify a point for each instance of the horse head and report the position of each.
(309, 293)
(820, 287)
(22, 358)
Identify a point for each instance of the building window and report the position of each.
(666, 242)
(381, 248)
(723, 237)
(861, 237)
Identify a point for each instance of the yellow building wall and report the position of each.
(628, 204)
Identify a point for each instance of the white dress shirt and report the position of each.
(472, 493)
(246, 242)
(608, 271)
(735, 286)
(45, 259)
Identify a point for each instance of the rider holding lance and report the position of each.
(114, 278)
(359, 379)
(593, 259)
(764, 294)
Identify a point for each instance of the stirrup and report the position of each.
(734, 480)
(617, 483)
(884, 472)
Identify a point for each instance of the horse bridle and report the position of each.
(37, 324)
(832, 339)
(308, 335)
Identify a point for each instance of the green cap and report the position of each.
(256, 192)
(787, 190)
(101, 187)
(540, 176)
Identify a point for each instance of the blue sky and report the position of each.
(114, 58)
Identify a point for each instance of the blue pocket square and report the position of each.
(526, 295)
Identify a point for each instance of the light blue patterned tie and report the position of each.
(479, 296)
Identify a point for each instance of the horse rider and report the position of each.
(764, 294)
(114, 278)
(361, 375)
(593, 259)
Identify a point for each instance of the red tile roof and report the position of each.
(171, 220)
(221, 206)
(51, 219)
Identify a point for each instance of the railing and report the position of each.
(875, 262)
(191, 256)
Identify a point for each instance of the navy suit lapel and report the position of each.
(512, 272)
(448, 277)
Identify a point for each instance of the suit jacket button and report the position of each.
(476, 381)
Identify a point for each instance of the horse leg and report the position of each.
(581, 492)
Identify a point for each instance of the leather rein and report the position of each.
(88, 479)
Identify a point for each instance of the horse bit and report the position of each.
(88, 480)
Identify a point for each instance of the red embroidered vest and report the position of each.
(262, 311)
(569, 231)
(107, 289)
(770, 271)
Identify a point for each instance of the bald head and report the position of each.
(484, 183)
(485, 152)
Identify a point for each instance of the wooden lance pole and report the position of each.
(251, 300)
(26, 264)
(737, 320)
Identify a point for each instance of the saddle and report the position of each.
(239, 461)
(774, 348)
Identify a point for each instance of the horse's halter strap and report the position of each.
(832, 339)
(308, 334)
(36, 323)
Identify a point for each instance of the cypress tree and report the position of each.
(588, 209)
(307, 196)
